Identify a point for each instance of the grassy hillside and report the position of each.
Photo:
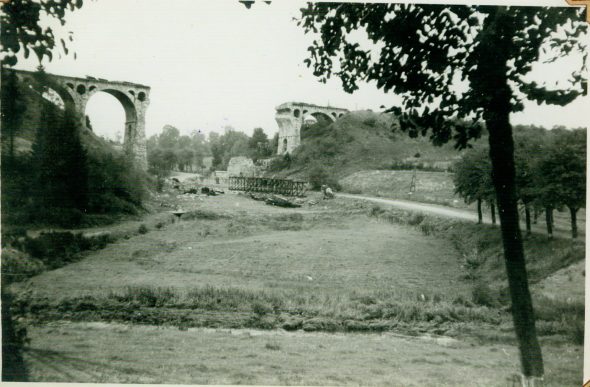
(364, 140)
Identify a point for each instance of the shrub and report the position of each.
(280, 163)
(272, 346)
(146, 296)
(115, 184)
(142, 229)
(56, 249)
(318, 175)
(17, 266)
(416, 219)
(483, 295)
(202, 214)
(376, 211)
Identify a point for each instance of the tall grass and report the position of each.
(234, 308)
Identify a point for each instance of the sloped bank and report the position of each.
(484, 314)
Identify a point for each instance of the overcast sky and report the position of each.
(215, 63)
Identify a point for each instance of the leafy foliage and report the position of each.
(473, 177)
(423, 50)
(59, 159)
(21, 29)
(560, 175)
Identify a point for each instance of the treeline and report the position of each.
(60, 180)
(170, 150)
(550, 175)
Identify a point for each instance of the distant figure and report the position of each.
(327, 191)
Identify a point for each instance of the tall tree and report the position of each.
(561, 174)
(421, 52)
(259, 145)
(59, 160)
(169, 138)
(529, 145)
(12, 106)
(472, 179)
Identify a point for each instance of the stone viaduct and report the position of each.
(75, 93)
(291, 116)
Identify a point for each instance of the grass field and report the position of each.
(150, 307)
(353, 253)
(116, 353)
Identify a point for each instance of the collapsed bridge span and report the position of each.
(266, 185)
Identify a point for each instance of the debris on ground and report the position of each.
(211, 191)
(275, 200)
(258, 197)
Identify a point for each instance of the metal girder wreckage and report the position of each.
(266, 185)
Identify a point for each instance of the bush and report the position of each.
(142, 229)
(56, 249)
(483, 295)
(17, 266)
(280, 163)
(318, 175)
(202, 214)
(146, 296)
(416, 219)
(115, 184)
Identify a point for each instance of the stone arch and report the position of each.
(107, 116)
(130, 131)
(285, 146)
(65, 92)
(322, 118)
(296, 113)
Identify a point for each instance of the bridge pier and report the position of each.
(291, 116)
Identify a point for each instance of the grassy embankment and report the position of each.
(365, 152)
(359, 269)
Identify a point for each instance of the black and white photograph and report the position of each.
(294, 193)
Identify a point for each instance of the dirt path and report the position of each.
(561, 228)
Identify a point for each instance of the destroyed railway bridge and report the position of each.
(267, 185)
(75, 93)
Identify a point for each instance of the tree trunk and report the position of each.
(493, 212)
(535, 214)
(491, 81)
(479, 213)
(501, 153)
(527, 217)
(549, 221)
(573, 212)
